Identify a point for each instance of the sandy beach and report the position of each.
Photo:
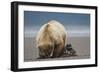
(80, 44)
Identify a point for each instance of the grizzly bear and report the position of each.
(51, 39)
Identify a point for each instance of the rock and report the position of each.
(69, 51)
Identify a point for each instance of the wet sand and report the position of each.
(80, 44)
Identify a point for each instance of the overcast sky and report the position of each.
(75, 24)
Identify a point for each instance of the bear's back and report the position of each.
(52, 30)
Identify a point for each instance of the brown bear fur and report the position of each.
(51, 40)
